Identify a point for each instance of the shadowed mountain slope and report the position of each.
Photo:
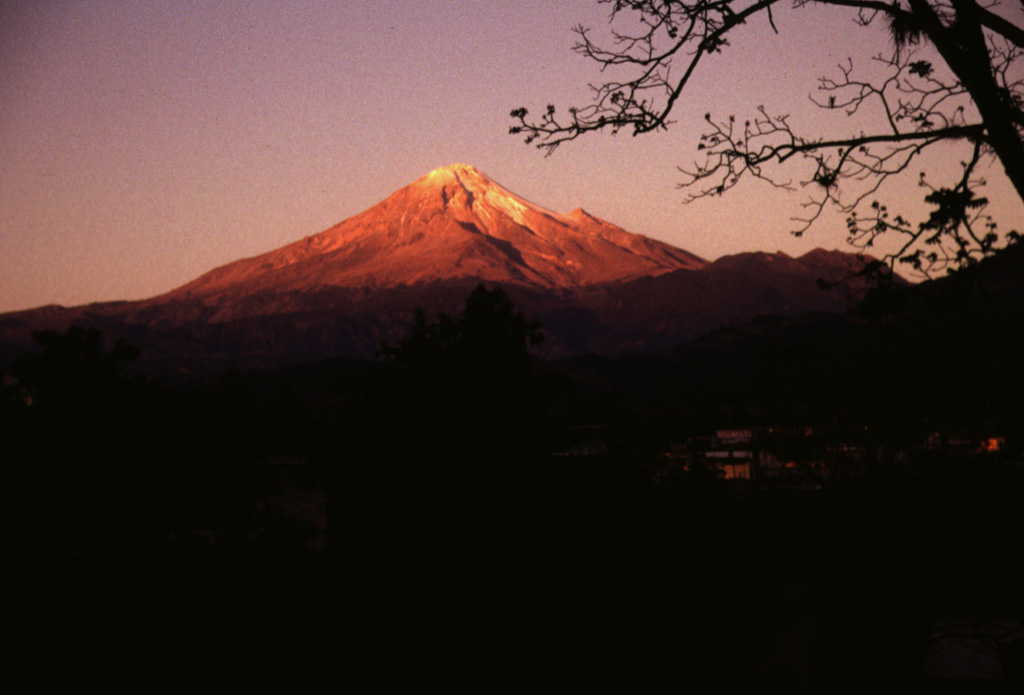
(944, 353)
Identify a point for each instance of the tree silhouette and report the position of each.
(465, 385)
(488, 338)
(953, 76)
(72, 365)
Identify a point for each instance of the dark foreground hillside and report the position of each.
(412, 524)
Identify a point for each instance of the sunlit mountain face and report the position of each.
(451, 224)
(595, 286)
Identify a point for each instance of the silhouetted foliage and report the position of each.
(968, 94)
(73, 365)
(489, 336)
(464, 388)
(457, 409)
(460, 550)
(150, 528)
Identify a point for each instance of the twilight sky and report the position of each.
(143, 142)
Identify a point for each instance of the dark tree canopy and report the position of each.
(954, 74)
(489, 336)
(72, 364)
(465, 386)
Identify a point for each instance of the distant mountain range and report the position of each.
(596, 287)
(941, 354)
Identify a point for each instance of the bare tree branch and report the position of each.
(975, 96)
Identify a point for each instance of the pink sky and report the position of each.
(144, 143)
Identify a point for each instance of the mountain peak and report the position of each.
(466, 175)
(457, 169)
(465, 185)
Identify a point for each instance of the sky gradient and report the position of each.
(144, 143)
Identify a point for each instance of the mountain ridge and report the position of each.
(595, 286)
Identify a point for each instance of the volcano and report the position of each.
(454, 223)
(595, 286)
